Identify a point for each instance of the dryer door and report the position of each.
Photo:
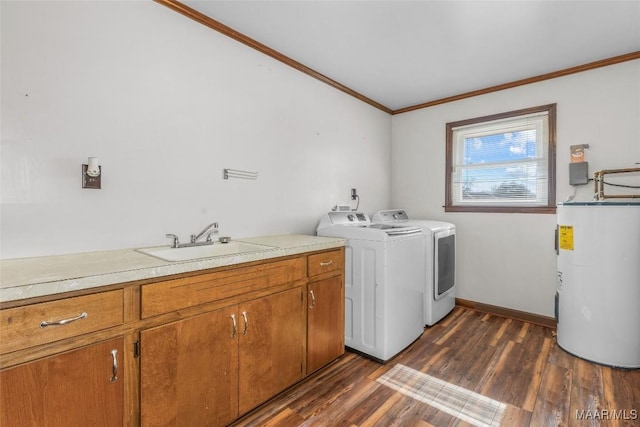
(444, 262)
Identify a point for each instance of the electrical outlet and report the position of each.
(354, 194)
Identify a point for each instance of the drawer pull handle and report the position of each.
(114, 377)
(235, 326)
(313, 299)
(45, 323)
(326, 263)
(246, 323)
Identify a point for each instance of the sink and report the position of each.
(208, 251)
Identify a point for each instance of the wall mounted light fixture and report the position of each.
(91, 174)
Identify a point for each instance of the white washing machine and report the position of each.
(440, 256)
(384, 285)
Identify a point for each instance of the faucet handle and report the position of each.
(176, 241)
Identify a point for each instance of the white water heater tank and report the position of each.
(598, 289)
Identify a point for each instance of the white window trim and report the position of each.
(542, 119)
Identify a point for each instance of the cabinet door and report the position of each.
(271, 346)
(188, 371)
(77, 388)
(325, 335)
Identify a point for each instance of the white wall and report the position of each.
(166, 104)
(508, 260)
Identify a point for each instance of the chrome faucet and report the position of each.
(208, 230)
(213, 225)
(176, 241)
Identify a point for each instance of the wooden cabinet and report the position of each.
(325, 321)
(75, 387)
(214, 367)
(272, 344)
(78, 388)
(35, 324)
(187, 292)
(325, 339)
(194, 349)
(331, 262)
(189, 371)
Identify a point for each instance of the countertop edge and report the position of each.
(165, 268)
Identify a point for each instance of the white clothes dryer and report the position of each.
(440, 256)
(384, 286)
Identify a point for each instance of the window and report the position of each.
(502, 163)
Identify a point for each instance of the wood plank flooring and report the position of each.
(497, 371)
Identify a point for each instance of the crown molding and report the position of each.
(230, 32)
(242, 38)
(548, 76)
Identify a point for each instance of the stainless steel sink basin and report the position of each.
(208, 251)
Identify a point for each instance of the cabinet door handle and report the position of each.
(313, 299)
(114, 377)
(246, 323)
(326, 263)
(235, 326)
(46, 323)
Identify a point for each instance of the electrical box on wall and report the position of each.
(579, 173)
(578, 168)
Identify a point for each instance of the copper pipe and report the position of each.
(598, 178)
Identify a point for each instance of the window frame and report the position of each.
(549, 208)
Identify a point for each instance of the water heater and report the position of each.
(598, 286)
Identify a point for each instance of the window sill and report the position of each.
(502, 209)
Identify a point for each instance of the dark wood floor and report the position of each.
(497, 371)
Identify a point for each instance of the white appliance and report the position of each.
(440, 256)
(384, 283)
(598, 287)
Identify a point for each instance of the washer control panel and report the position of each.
(358, 218)
(391, 216)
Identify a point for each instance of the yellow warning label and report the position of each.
(565, 237)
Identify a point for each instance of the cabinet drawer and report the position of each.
(164, 297)
(32, 325)
(325, 262)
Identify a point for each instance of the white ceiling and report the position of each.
(404, 53)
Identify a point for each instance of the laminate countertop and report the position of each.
(23, 278)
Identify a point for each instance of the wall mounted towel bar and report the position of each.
(234, 173)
